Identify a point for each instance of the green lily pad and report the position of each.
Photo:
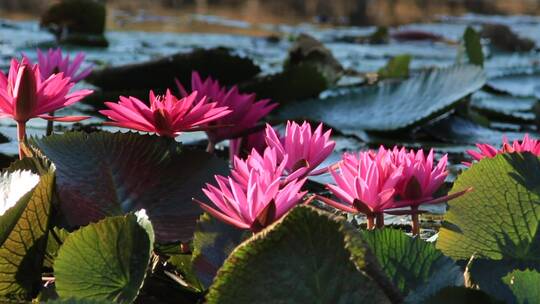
(297, 82)
(414, 265)
(300, 259)
(525, 285)
(107, 260)
(213, 241)
(218, 63)
(104, 174)
(498, 219)
(391, 106)
(23, 231)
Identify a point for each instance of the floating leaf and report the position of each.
(103, 174)
(23, 231)
(499, 218)
(308, 50)
(504, 107)
(473, 46)
(106, 260)
(397, 67)
(519, 85)
(414, 265)
(298, 82)
(300, 259)
(458, 130)
(218, 63)
(524, 285)
(391, 105)
(502, 37)
(212, 243)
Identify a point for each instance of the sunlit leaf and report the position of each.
(26, 201)
(499, 218)
(414, 265)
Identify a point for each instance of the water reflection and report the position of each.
(335, 12)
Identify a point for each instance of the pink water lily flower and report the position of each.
(24, 95)
(526, 145)
(246, 111)
(254, 196)
(305, 149)
(267, 165)
(53, 62)
(167, 114)
(365, 183)
(419, 181)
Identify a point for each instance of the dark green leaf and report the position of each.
(414, 265)
(473, 46)
(212, 243)
(107, 260)
(391, 106)
(57, 236)
(23, 232)
(300, 259)
(184, 265)
(525, 286)
(218, 63)
(487, 275)
(294, 83)
(103, 174)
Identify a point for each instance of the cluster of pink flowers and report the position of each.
(37, 90)
(526, 145)
(264, 186)
(385, 181)
(222, 113)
